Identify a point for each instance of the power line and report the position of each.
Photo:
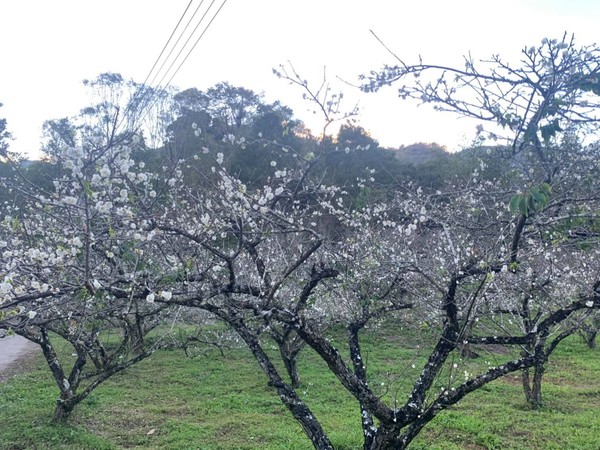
(178, 39)
(188, 40)
(162, 90)
(169, 40)
(198, 40)
(139, 96)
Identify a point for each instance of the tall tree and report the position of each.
(5, 136)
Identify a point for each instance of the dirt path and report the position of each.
(16, 354)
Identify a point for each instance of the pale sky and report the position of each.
(49, 47)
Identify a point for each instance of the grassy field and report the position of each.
(216, 402)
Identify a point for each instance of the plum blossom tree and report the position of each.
(70, 257)
(72, 251)
(456, 257)
(540, 109)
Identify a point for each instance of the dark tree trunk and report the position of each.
(67, 385)
(63, 410)
(290, 346)
(526, 382)
(386, 438)
(532, 387)
(368, 426)
(291, 366)
(287, 394)
(591, 340)
(536, 391)
(589, 336)
(134, 336)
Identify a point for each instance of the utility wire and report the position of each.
(198, 40)
(186, 56)
(171, 37)
(139, 96)
(188, 40)
(178, 39)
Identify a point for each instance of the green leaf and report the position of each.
(523, 207)
(546, 189)
(514, 203)
(547, 132)
(87, 189)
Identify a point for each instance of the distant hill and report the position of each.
(419, 153)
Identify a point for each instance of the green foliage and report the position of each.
(5, 136)
(550, 130)
(532, 201)
(591, 84)
(41, 173)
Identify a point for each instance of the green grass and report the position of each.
(215, 402)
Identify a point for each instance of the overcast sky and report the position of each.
(49, 47)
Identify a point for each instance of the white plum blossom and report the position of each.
(76, 241)
(69, 200)
(5, 287)
(105, 171)
(104, 207)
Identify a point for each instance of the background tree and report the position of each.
(5, 136)
(589, 330)
(224, 114)
(118, 109)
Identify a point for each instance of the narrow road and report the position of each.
(12, 348)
